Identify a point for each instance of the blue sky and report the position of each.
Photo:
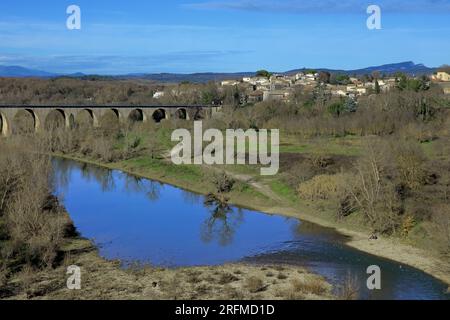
(220, 36)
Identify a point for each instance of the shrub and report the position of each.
(373, 193)
(282, 276)
(408, 224)
(320, 160)
(349, 290)
(410, 161)
(102, 148)
(313, 285)
(34, 223)
(227, 278)
(336, 108)
(419, 131)
(223, 183)
(254, 284)
(323, 187)
(441, 227)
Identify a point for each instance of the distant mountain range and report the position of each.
(192, 77)
(21, 72)
(408, 67)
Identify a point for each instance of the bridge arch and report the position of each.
(197, 114)
(86, 117)
(26, 121)
(182, 114)
(117, 113)
(137, 115)
(4, 125)
(110, 118)
(159, 115)
(56, 119)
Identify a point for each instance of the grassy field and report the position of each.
(347, 146)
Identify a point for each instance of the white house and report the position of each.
(339, 93)
(229, 83)
(158, 94)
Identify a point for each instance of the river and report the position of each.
(142, 221)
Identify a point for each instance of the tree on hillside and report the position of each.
(263, 73)
(324, 77)
(342, 79)
(412, 84)
(310, 71)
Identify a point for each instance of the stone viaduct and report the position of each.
(40, 116)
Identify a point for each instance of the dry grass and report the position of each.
(3, 275)
(226, 278)
(103, 279)
(255, 284)
(349, 290)
(282, 276)
(312, 285)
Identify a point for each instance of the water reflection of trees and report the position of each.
(191, 197)
(106, 178)
(62, 170)
(61, 174)
(221, 224)
(134, 184)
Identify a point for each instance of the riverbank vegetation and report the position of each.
(33, 225)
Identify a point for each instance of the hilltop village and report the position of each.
(265, 86)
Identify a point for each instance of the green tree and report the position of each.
(405, 83)
(377, 87)
(340, 79)
(336, 108)
(350, 105)
(263, 73)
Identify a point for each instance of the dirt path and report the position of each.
(263, 188)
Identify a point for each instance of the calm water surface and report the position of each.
(139, 220)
